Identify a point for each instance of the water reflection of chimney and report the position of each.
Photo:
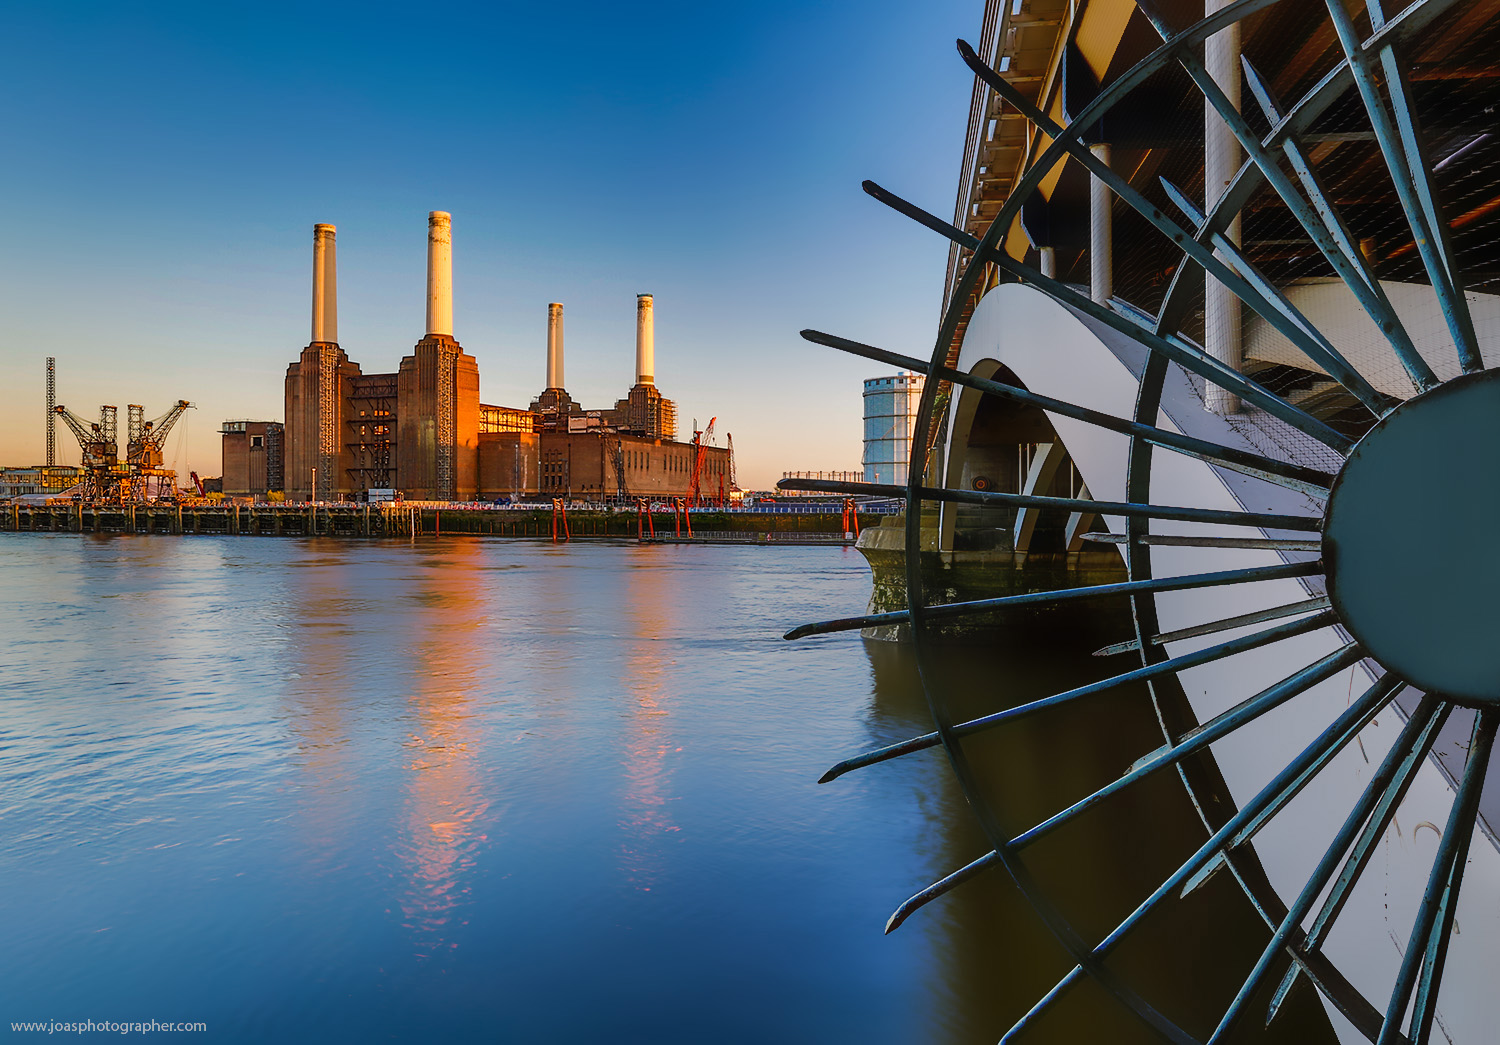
(647, 741)
(445, 796)
(319, 695)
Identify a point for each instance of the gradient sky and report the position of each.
(166, 164)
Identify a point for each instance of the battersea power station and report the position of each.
(423, 432)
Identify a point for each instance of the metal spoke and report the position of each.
(1313, 104)
(1295, 477)
(962, 609)
(1267, 543)
(1173, 346)
(1201, 239)
(1203, 253)
(1043, 1004)
(1409, 190)
(1225, 624)
(1216, 728)
(1272, 797)
(940, 887)
(994, 499)
(1424, 1006)
(1345, 256)
(1376, 807)
(1428, 946)
(1293, 325)
(1321, 232)
(1380, 797)
(1404, 110)
(1141, 674)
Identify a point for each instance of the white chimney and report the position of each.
(554, 345)
(325, 303)
(440, 273)
(645, 341)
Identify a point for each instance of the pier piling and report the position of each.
(400, 520)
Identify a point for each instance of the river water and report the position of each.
(493, 790)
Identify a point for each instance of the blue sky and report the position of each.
(166, 164)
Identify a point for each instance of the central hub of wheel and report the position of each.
(1411, 540)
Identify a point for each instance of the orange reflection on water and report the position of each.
(444, 795)
(644, 814)
(319, 696)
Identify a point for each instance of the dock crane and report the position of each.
(140, 477)
(700, 447)
(101, 450)
(147, 479)
(146, 438)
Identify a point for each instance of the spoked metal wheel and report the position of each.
(1365, 190)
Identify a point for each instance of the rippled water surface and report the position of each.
(496, 790)
(478, 789)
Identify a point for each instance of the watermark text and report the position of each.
(105, 1027)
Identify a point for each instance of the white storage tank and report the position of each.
(890, 413)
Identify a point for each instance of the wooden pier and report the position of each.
(399, 520)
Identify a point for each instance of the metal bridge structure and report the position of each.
(1240, 268)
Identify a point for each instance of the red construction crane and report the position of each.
(700, 444)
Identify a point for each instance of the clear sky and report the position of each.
(166, 163)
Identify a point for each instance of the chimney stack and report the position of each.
(645, 341)
(439, 274)
(554, 345)
(325, 303)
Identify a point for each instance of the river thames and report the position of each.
(488, 789)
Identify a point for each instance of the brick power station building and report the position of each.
(423, 431)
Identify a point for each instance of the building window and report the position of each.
(255, 440)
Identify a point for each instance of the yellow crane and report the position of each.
(140, 477)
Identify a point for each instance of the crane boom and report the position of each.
(83, 431)
(100, 451)
(145, 449)
(97, 449)
(700, 442)
(156, 431)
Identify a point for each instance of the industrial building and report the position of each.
(422, 430)
(890, 416)
(39, 481)
(253, 458)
